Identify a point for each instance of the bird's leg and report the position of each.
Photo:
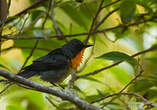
(57, 85)
(61, 86)
(71, 82)
(53, 83)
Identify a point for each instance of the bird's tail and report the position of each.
(27, 74)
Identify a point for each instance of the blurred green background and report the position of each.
(73, 17)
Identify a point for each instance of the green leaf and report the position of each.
(92, 79)
(113, 106)
(118, 56)
(95, 96)
(65, 104)
(127, 10)
(153, 76)
(75, 4)
(15, 107)
(149, 5)
(102, 93)
(78, 89)
(142, 85)
(37, 99)
(80, 15)
(35, 14)
(151, 94)
(106, 2)
(121, 75)
(2, 66)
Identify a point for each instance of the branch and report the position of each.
(102, 21)
(38, 3)
(83, 105)
(145, 101)
(33, 23)
(22, 31)
(43, 37)
(138, 75)
(6, 88)
(55, 25)
(31, 53)
(111, 4)
(24, 47)
(110, 66)
(52, 103)
(47, 14)
(93, 22)
(123, 93)
(84, 33)
(3, 16)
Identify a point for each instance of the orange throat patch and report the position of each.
(77, 60)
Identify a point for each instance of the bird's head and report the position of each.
(74, 47)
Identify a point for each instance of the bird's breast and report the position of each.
(77, 60)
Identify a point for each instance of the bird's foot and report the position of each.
(57, 85)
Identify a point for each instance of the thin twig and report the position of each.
(13, 25)
(52, 103)
(12, 47)
(112, 65)
(111, 4)
(31, 53)
(123, 93)
(23, 24)
(38, 3)
(47, 14)
(3, 17)
(134, 79)
(82, 34)
(43, 37)
(9, 3)
(55, 25)
(83, 105)
(102, 21)
(138, 75)
(6, 88)
(93, 22)
(28, 27)
(33, 22)
(71, 82)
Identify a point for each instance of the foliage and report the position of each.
(125, 27)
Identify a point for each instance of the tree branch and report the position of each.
(38, 3)
(31, 53)
(123, 93)
(52, 103)
(83, 105)
(145, 101)
(102, 21)
(84, 33)
(111, 4)
(93, 22)
(134, 79)
(110, 66)
(24, 47)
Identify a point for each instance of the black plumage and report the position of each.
(56, 65)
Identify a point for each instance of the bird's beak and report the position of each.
(88, 46)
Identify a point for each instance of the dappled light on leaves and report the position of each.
(117, 73)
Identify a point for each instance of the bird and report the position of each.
(58, 64)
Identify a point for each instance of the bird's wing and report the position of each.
(49, 55)
(49, 62)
